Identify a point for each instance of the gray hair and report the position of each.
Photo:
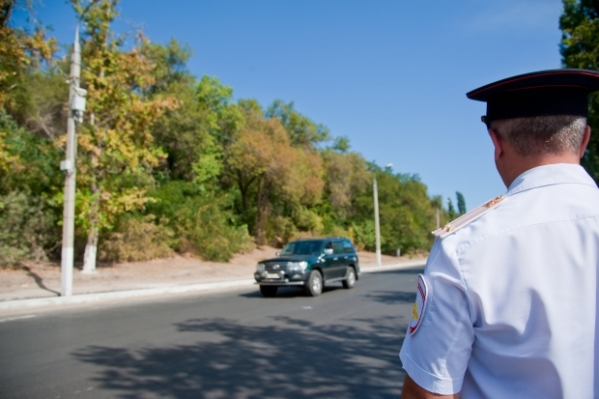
(538, 135)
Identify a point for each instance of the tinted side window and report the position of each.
(348, 247)
(338, 247)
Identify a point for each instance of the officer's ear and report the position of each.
(585, 141)
(498, 143)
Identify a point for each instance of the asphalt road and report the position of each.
(233, 344)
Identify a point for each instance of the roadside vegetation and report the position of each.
(171, 163)
(580, 49)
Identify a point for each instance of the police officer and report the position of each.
(507, 306)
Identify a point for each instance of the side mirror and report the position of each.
(328, 251)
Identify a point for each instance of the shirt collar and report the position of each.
(561, 173)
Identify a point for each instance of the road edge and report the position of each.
(176, 289)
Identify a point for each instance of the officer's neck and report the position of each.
(510, 167)
(510, 164)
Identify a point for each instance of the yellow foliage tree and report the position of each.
(116, 148)
(263, 158)
(19, 50)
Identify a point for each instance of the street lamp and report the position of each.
(377, 229)
(377, 226)
(76, 108)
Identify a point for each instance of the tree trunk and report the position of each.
(242, 189)
(5, 12)
(263, 208)
(91, 248)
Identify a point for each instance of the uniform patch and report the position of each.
(419, 305)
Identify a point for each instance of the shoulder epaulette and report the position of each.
(468, 217)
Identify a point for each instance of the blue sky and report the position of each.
(389, 75)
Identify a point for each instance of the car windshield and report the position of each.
(303, 248)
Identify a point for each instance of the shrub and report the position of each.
(27, 229)
(364, 235)
(137, 239)
(303, 235)
(280, 230)
(307, 220)
(28, 163)
(203, 230)
(202, 223)
(338, 231)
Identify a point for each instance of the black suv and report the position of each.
(310, 263)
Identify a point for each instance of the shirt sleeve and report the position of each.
(436, 355)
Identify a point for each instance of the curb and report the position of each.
(107, 296)
(396, 266)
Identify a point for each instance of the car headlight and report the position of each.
(261, 267)
(298, 265)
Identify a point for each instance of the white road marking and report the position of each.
(29, 316)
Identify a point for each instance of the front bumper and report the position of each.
(280, 283)
(281, 278)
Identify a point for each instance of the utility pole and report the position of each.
(76, 108)
(377, 229)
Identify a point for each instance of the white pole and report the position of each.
(68, 225)
(376, 222)
(438, 224)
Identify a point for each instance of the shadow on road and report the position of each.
(289, 292)
(392, 297)
(395, 297)
(291, 358)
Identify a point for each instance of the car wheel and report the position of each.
(268, 290)
(351, 278)
(314, 285)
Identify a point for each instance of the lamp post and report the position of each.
(377, 229)
(76, 108)
(377, 225)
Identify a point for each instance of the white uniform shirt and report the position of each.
(512, 307)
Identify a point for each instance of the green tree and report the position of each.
(191, 134)
(170, 64)
(20, 52)
(580, 49)
(302, 131)
(406, 214)
(346, 175)
(32, 83)
(263, 162)
(451, 210)
(203, 223)
(41, 105)
(27, 162)
(29, 179)
(461, 202)
(437, 204)
(116, 150)
(28, 158)
(27, 231)
(341, 144)
(195, 135)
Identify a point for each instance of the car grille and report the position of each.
(273, 267)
